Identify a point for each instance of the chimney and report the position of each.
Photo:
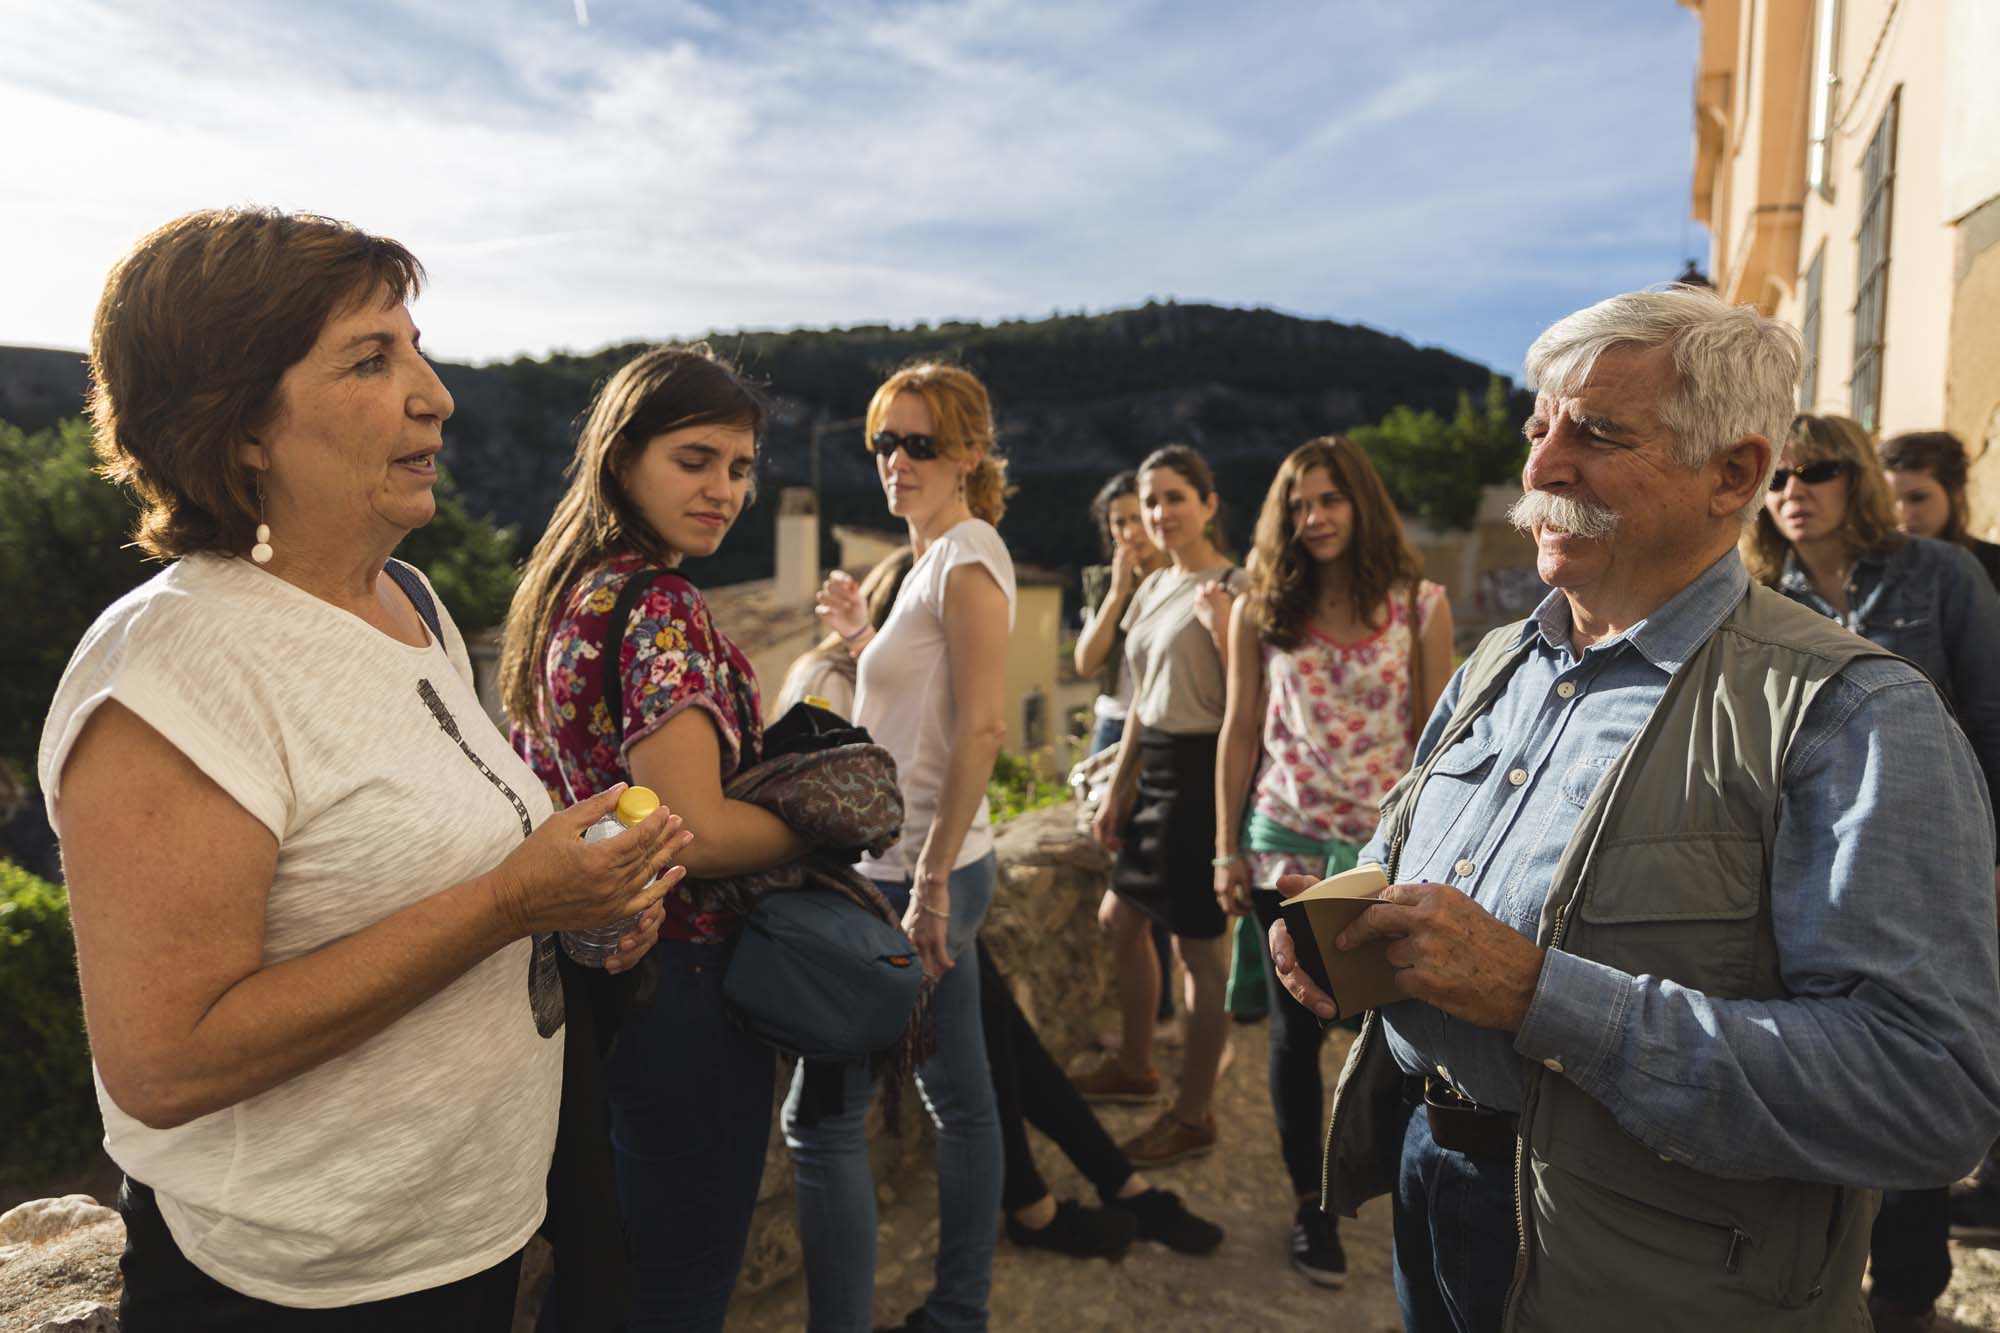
(797, 578)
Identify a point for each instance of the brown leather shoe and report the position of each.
(1106, 1082)
(1170, 1139)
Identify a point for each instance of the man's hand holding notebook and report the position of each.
(1357, 979)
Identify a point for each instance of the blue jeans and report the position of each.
(1455, 1236)
(1105, 733)
(836, 1190)
(690, 1102)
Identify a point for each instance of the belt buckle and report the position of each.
(1445, 1097)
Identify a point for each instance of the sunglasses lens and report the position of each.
(922, 448)
(1812, 474)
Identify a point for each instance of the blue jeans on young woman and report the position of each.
(1455, 1237)
(836, 1189)
(690, 1098)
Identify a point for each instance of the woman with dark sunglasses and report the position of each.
(930, 690)
(1827, 538)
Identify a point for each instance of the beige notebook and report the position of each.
(1359, 978)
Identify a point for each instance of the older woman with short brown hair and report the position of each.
(313, 889)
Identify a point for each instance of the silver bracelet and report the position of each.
(1221, 861)
(928, 910)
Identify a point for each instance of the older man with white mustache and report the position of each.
(1690, 892)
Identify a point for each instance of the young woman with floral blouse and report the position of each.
(663, 467)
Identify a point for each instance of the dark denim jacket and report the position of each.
(1931, 603)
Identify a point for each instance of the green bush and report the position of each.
(1017, 787)
(47, 1102)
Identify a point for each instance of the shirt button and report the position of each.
(1553, 1065)
(1463, 868)
(1518, 776)
(1567, 689)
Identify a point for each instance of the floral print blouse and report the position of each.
(1337, 725)
(673, 658)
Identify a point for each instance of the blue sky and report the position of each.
(1460, 172)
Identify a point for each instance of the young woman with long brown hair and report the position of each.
(663, 467)
(1157, 812)
(1336, 655)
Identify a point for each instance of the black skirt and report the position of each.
(1164, 865)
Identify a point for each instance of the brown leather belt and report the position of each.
(1463, 1125)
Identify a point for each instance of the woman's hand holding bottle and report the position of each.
(556, 881)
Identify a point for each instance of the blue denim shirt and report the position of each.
(1880, 1070)
(1930, 602)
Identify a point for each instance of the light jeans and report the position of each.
(836, 1190)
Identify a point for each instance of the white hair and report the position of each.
(1738, 370)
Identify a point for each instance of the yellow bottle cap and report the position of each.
(635, 803)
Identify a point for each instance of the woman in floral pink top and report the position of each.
(663, 467)
(1336, 655)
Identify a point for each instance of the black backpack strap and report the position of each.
(413, 588)
(614, 642)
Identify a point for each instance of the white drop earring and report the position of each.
(261, 552)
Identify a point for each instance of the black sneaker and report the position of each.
(1316, 1248)
(1080, 1232)
(1163, 1218)
(916, 1321)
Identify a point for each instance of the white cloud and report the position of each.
(1445, 171)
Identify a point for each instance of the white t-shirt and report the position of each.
(419, 1157)
(903, 692)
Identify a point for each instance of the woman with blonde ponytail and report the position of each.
(930, 691)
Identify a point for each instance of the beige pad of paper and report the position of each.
(1359, 978)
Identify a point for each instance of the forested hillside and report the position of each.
(1078, 397)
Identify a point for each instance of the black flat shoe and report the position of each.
(1163, 1218)
(1080, 1232)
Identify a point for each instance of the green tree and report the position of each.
(66, 554)
(468, 560)
(64, 557)
(1435, 467)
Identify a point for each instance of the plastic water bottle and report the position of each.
(594, 947)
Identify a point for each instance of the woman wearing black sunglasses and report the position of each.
(930, 690)
(1827, 537)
